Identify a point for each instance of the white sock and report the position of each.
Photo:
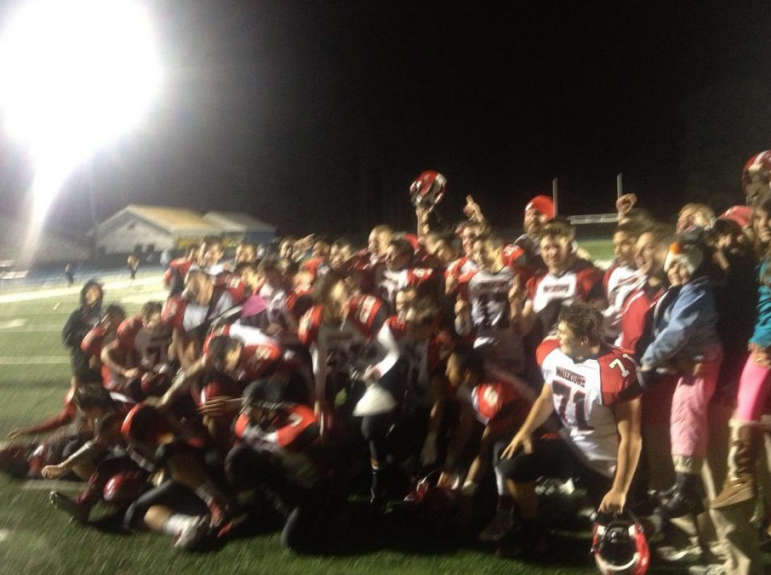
(177, 522)
(500, 481)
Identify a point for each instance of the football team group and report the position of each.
(435, 365)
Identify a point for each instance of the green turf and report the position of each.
(599, 249)
(36, 539)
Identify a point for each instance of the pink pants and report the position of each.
(690, 403)
(754, 386)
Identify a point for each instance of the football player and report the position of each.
(593, 388)
(621, 277)
(280, 451)
(190, 314)
(567, 278)
(209, 255)
(175, 275)
(351, 335)
(493, 411)
(94, 404)
(116, 478)
(399, 273)
(100, 336)
(492, 309)
(636, 320)
(189, 504)
(139, 356)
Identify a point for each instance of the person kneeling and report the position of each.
(593, 388)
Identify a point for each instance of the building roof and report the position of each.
(238, 222)
(173, 220)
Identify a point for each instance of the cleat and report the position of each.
(191, 537)
(64, 503)
(499, 528)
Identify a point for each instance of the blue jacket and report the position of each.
(762, 334)
(685, 325)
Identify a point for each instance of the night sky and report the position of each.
(316, 116)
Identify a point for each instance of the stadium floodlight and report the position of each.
(74, 74)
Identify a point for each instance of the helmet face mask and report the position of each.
(619, 545)
(262, 399)
(428, 189)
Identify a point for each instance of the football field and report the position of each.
(37, 539)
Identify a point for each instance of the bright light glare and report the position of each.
(74, 74)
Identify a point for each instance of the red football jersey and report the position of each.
(289, 439)
(94, 341)
(636, 313)
(149, 348)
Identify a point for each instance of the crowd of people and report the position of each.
(438, 363)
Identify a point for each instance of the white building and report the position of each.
(147, 229)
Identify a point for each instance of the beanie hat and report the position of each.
(542, 204)
(737, 214)
(687, 254)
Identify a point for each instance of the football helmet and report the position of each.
(266, 393)
(145, 424)
(619, 545)
(428, 189)
(427, 497)
(125, 487)
(756, 175)
(14, 460)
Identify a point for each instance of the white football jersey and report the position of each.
(488, 294)
(584, 392)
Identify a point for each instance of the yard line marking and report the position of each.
(35, 360)
(4, 533)
(51, 485)
(52, 312)
(59, 292)
(34, 329)
(12, 323)
(145, 297)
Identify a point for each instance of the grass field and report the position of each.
(35, 539)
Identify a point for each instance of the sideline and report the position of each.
(35, 360)
(52, 484)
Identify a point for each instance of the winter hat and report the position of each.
(542, 204)
(738, 214)
(688, 254)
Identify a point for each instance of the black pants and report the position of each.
(551, 457)
(169, 494)
(375, 428)
(313, 507)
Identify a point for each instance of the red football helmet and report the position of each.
(428, 189)
(14, 460)
(145, 424)
(619, 545)
(125, 487)
(756, 175)
(436, 501)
